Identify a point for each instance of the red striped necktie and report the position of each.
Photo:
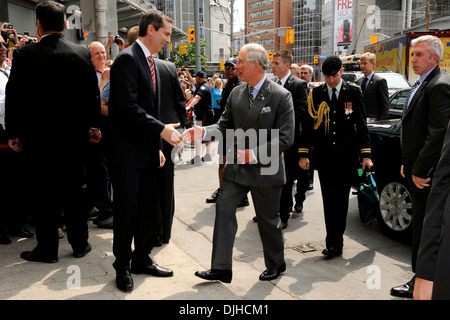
(152, 70)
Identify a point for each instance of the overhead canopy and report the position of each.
(129, 13)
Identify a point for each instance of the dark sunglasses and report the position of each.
(229, 68)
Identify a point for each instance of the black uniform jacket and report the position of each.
(339, 135)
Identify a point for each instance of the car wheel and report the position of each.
(395, 210)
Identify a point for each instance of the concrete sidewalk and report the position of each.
(371, 263)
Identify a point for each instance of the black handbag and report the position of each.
(368, 197)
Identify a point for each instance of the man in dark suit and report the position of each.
(53, 132)
(433, 263)
(374, 88)
(424, 123)
(135, 149)
(281, 64)
(259, 118)
(337, 128)
(173, 110)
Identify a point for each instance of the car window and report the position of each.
(394, 81)
(398, 102)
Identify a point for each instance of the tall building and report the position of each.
(266, 21)
(307, 23)
(214, 15)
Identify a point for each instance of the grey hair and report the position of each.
(436, 46)
(257, 53)
(307, 66)
(296, 67)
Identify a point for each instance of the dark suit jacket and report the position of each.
(424, 124)
(172, 101)
(298, 89)
(347, 141)
(52, 96)
(133, 111)
(272, 109)
(433, 259)
(376, 97)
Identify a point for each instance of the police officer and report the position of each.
(204, 114)
(337, 128)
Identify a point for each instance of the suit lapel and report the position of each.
(260, 101)
(419, 93)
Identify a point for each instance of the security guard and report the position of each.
(337, 129)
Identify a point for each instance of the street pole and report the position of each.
(231, 28)
(101, 21)
(198, 61)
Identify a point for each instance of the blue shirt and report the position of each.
(216, 95)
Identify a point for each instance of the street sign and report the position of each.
(323, 57)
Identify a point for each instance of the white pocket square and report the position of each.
(266, 109)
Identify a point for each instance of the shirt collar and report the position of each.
(284, 79)
(369, 77)
(423, 77)
(147, 52)
(338, 89)
(258, 86)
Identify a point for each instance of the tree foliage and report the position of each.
(188, 59)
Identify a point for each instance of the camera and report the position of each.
(10, 27)
(118, 40)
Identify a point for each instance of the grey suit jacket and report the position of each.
(272, 109)
(433, 258)
(376, 97)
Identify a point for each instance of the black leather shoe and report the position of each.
(124, 281)
(81, 254)
(32, 256)
(310, 187)
(4, 238)
(152, 269)
(195, 160)
(332, 252)
(22, 232)
(284, 224)
(214, 196)
(271, 274)
(298, 208)
(406, 290)
(244, 202)
(215, 274)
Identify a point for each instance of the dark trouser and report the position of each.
(135, 210)
(419, 200)
(335, 187)
(13, 188)
(98, 181)
(167, 196)
(265, 200)
(55, 180)
(293, 172)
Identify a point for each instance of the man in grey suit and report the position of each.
(374, 88)
(259, 117)
(432, 280)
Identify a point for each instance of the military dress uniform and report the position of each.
(340, 136)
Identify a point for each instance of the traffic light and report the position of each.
(222, 65)
(373, 39)
(182, 49)
(191, 34)
(270, 56)
(316, 59)
(289, 36)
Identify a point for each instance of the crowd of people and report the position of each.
(109, 151)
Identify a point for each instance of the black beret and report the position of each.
(331, 66)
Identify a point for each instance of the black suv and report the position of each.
(395, 203)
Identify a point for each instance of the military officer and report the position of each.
(337, 128)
